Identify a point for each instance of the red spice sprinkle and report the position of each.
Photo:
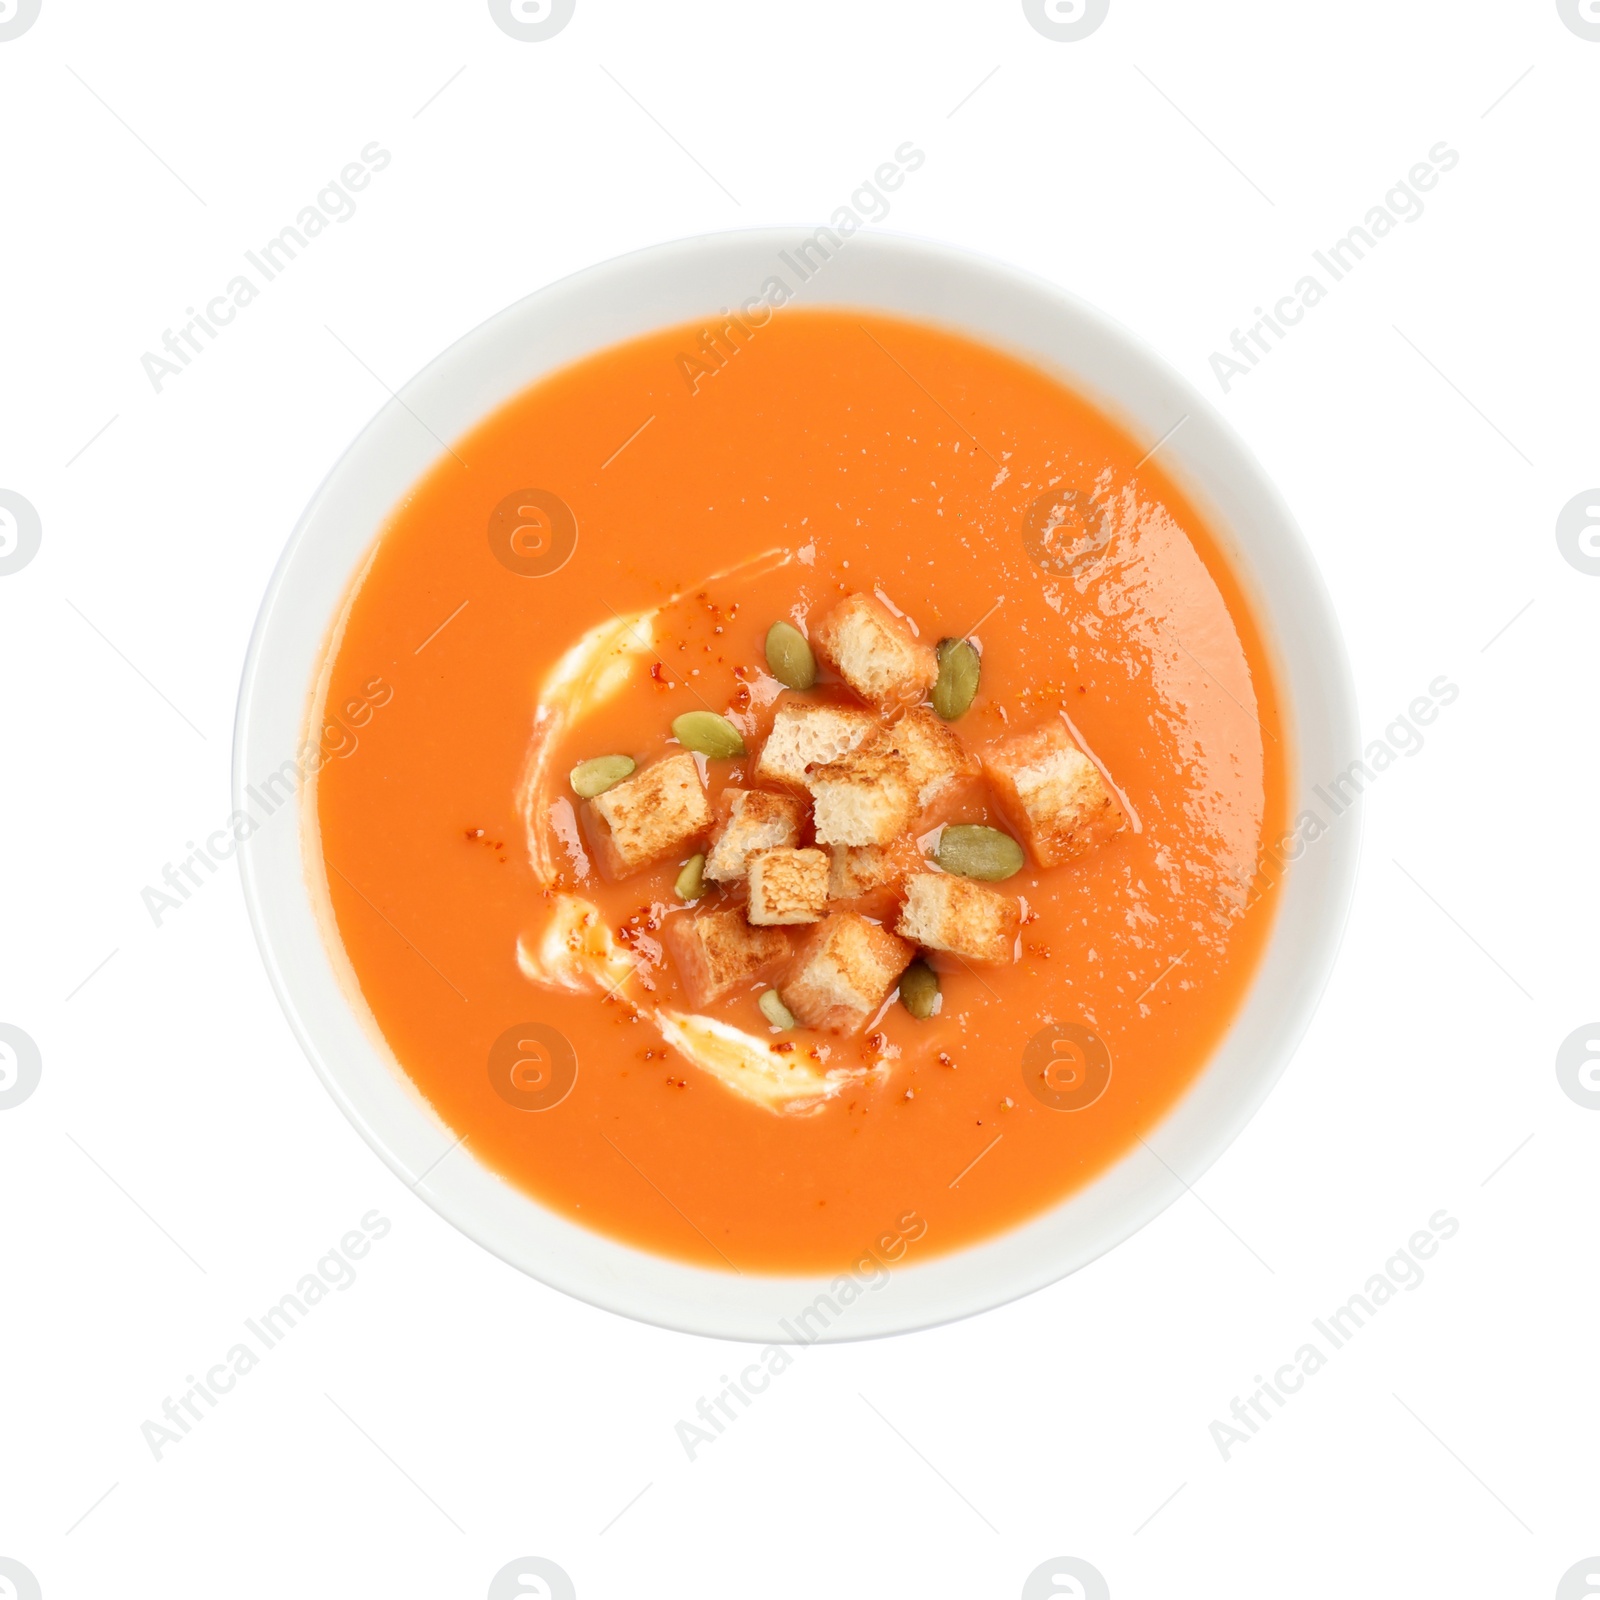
(783, 1049)
(643, 921)
(474, 833)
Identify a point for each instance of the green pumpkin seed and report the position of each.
(919, 990)
(775, 1011)
(691, 882)
(959, 668)
(707, 734)
(598, 774)
(789, 657)
(971, 851)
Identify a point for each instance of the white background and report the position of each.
(180, 1167)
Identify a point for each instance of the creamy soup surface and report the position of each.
(608, 553)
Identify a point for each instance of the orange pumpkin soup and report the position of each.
(740, 942)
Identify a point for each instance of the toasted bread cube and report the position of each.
(858, 869)
(944, 912)
(937, 757)
(842, 973)
(876, 653)
(1052, 793)
(787, 886)
(752, 819)
(652, 815)
(804, 735)
(865, 797)
(716, 951)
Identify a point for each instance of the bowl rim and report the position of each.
(930, 281)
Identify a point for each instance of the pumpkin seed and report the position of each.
(598, 774)
(691, 882)
(972, 851)
(959, 667)
(775, 1011)
(919, 990)
(707, 734)
(789, 657)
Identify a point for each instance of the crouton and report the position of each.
(751, 820)
(858, 869)
(943, 912)
(842, 972)
(804, 734)
(876, 653)
(716, 951)
(865, 797)
(787, 886)
(654, 814)
(876, 871)
(937, 757)
(1052, 793)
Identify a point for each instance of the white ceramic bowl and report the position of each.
(689, 281)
